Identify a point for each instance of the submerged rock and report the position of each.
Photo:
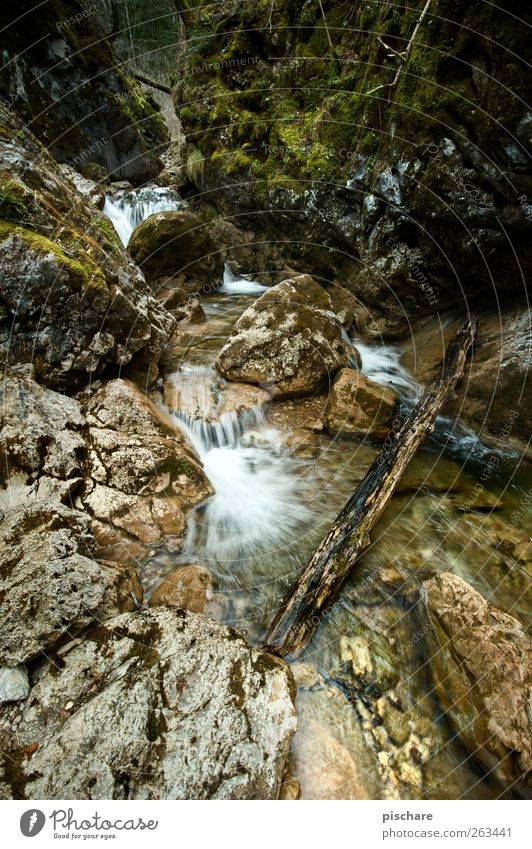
(357, 405)
(188, 588)
(289, 341)
(177, 245)
(158, 705)
(481, 662)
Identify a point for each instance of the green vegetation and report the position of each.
(81, 268)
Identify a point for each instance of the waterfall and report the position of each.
(382, 363)
(127, 210)
(257, 502)
(235, 285)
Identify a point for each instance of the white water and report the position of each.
(381, 363)
(127, 210)
(257, 503)
(234, 285)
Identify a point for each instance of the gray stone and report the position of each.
(160, 704)
(289, 341)
(14, 684)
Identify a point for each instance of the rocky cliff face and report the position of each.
(393, 146)
(61, 75)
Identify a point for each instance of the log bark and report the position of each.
(329, 566)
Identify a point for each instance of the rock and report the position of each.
(76, 304)
(357, 405)
(288, 341)
(40, 433)
(144, 475)
(50, 585)
(188, 588)
(166, 705)
(495, 396)
(177, 244)
(204, 395)
(349, 310)
(76, 97)
(14, 683)
(481, 662)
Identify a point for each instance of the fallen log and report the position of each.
(153, 83)
(329, 566)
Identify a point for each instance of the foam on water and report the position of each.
(382, 364)
(127, 210)
(257, 503)
(234, 285)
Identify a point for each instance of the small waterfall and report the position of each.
(127, 210)
(382, 363)
(224, 433)
(234, 285)
(257, 502)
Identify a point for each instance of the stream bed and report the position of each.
(369, 721)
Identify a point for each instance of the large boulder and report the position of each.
(359, 406)
(176, 245)
(71, 300)
(158, 704)
(144, 475)
(289, 341)
(50, 584)
(41, 436)
(481, 661)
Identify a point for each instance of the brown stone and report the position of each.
(187, 588)
(357, 405)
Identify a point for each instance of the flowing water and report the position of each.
(369, 722)
(128, 209)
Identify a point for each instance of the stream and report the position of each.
(369, 723)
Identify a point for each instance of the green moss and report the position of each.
(83, 272)
(14, 202)
(107, 233)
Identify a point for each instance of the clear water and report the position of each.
(374, 730)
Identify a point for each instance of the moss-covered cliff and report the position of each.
(397, 137)
(59, 72)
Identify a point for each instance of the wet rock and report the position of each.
(177, 244)
(481, 661)
(357, 405)
(188, 588)
(288, 341)
(50, 585)
(164, 705)
(206, 396)
(14, 683)
(495, 396)
(144, 475)
(330, 758)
